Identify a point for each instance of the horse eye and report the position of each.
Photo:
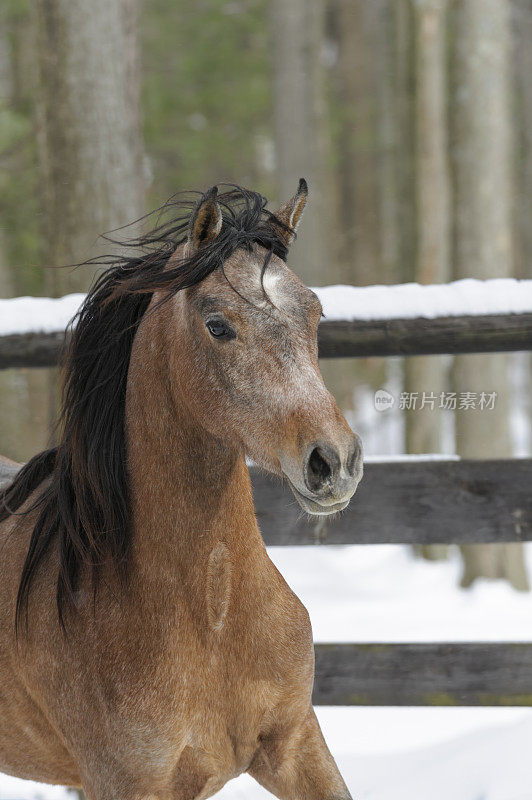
(220, 330)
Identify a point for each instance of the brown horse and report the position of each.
(148, 646)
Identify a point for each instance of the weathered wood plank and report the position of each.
(31, 349)
(439, 674)
(477, 334)
(421, 337)
(422, 502)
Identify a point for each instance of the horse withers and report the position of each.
(149, 648)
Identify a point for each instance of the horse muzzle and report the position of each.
(328, 476)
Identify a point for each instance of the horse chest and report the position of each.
(259, 654)
(202, 674)
(253, 619)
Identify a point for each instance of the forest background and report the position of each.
(410, 119)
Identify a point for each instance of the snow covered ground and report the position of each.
(405, 301)
(363, 593)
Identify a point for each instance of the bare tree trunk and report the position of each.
(357, 173)
(522, 27)
(426, 376)
(301, 138)
(389, 199)
(406, 157)
(23, 412)
(302, 146)
(88, 123)
(89, 131)
(482, 157)
(432, 169)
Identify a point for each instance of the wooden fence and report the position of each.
(390, 337)
(411, 502)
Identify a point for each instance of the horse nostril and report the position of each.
(318, 470)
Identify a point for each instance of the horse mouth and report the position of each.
(312, 506)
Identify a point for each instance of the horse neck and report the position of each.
(188, 489)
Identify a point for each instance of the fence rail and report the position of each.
(424, 674)
(410, 502)
(31, 349)
(343, 339)
(423, 337)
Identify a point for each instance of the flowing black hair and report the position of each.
(85, 502)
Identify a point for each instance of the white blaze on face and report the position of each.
(302, 384)
(276, 288)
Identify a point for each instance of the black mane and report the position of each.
(86, 501)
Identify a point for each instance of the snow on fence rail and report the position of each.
(467, 316)
(420, 500)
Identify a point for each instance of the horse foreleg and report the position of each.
(294, 763)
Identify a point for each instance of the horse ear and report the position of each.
(290, 213)
(206, 220)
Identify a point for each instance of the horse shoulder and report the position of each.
(281, 630)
